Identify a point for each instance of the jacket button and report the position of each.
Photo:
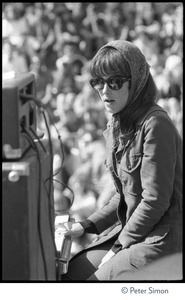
(129, 167)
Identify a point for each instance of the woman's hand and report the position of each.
(72, 229)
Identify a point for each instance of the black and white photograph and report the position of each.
(92, 149)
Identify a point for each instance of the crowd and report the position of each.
(56, 41)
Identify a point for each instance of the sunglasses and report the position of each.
(114, 83)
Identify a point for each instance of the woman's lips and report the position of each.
(108, 100)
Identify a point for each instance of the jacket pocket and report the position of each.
(130, 173)
(152, 247)
(131, 163)
(157, 234)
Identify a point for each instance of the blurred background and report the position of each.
(56, 42)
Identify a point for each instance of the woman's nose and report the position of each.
(106, 88)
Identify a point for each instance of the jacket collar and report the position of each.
(153, 108)
(141, 120)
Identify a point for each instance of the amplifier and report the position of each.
(17, 113)
(28, 248)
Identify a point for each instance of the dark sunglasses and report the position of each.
(114, 83)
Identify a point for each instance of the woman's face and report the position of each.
(114, 100)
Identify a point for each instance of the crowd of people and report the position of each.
(56, 42)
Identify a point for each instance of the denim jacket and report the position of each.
(147, 173)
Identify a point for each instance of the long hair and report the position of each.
(133, 111)
(109, 61)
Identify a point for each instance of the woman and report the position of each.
(145, 160)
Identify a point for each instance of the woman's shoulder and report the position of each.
(154, 110)
(158, 121)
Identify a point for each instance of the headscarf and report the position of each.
(139, 75)
(138, 66)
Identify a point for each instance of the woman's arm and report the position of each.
(106, 216)
(97, 222)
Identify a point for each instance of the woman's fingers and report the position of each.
(73, 229)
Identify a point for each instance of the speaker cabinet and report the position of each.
(28, 219)
(17, 113)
